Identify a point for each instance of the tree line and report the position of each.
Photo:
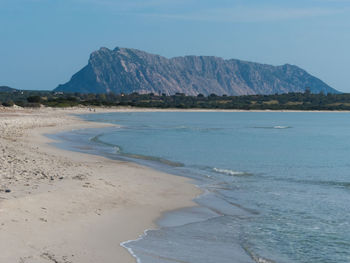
(288, 101)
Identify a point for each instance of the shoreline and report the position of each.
(105, 109)
(135, 109)
(74, 207)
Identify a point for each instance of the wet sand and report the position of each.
(62, 206)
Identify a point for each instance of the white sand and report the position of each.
(72, 207)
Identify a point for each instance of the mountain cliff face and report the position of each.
(124, 70)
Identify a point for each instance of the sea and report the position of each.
(276, 185)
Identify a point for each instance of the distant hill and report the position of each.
(7, 89)
(125, 70)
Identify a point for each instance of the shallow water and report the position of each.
(277, 185)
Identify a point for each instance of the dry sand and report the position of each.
(71, 207)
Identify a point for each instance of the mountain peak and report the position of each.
(125, 70)
(104, 49)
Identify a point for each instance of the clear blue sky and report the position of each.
(43, 42)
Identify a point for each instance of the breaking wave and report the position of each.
(273, 127)
(229, 172)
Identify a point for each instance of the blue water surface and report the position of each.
(276, 184)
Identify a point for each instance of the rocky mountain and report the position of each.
(125, 70)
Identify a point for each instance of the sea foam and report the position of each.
(228, 172)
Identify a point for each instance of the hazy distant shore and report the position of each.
(62, 206)
(105, 109)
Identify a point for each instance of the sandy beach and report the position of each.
(66, 207)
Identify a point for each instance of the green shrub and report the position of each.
(34, 99)
(9, 103)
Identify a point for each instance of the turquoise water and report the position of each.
(276, 185)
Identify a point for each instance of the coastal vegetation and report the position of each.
(288, 101)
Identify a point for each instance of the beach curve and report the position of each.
(62, 206)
